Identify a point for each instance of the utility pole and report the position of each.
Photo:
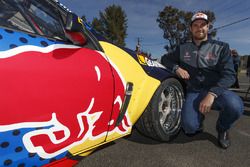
(138, 46)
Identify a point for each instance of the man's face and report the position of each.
(199, 30)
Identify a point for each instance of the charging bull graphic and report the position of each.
(65, 92)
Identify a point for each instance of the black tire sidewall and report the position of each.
(155, 110)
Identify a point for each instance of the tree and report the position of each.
(112, 24)
(96, 24)
(175, 24)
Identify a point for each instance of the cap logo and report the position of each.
(199, 16)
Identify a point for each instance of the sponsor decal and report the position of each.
(148, 62)
(187, 56)
(62, 102)
(210, 57)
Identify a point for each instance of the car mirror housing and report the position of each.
(74, 29)
(74, 23)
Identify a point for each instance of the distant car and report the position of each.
(65, 90)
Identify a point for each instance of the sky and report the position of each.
(142, 15)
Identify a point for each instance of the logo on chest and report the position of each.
(210, 57)
(187, 56)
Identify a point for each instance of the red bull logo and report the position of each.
(65, 92)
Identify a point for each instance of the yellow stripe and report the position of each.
(143, 90)
(144, 85)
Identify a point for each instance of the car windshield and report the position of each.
(45, 18)
(40, 16)
(10, 17)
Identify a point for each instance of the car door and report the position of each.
(55, 95)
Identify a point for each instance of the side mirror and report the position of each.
(75, 29)
(73, 23)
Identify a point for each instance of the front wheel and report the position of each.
(162, 118)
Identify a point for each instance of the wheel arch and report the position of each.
(158, 123)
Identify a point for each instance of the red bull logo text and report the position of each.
(59, 91)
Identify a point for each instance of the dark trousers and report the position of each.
(229, 104)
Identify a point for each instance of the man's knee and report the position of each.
(232, 108)
(235, 106)
(190, 127)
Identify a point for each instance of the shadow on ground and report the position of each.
(247, 113)
(246, 102)
(181, 138)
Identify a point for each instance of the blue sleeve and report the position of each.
(227, 72)
(172, 59)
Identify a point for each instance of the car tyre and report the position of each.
(161, 119)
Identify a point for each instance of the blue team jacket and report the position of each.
(209, 65)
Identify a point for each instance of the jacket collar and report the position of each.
(202, 43)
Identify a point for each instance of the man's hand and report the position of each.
(206, 104)
(182, 73)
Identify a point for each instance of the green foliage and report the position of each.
(112, 24)
(175, 24)
(96, 24)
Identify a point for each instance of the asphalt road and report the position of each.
(198, 151)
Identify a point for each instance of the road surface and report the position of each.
(198, 151)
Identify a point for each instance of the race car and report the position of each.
(66, 90)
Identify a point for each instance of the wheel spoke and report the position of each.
(169, 107)
(163, 97)
(164, 115)
(164, 106)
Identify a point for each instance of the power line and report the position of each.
(235, 13)
(226, 25)
(220, 27)
(153, 44)
(225, 6)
